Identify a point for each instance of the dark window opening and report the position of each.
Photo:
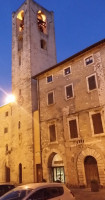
(73, 129)
(5, 130)
(69, 91)
(6, 114)
(89, 60)
(20, 46)
(7, 174)
(49, 79)
(43, 44)
(52, 133)
(50, 98)
(19, 125)
(67, 71)
(41, 20)
(97, 123)
(20, 173)
(6, 148)
(92, 82)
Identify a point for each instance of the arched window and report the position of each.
(41, 20)
(20, 21)
(20, 173)
(20, 28)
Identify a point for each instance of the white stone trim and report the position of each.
(69, 119)
(91, 123)
(91, 55)
(64, 71)
(88, 82)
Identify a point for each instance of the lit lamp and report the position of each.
(10, 99)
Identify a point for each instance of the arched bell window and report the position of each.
(41, 21)
(20, 21)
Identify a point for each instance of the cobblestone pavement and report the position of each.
(86, 194)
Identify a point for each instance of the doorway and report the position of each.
(56, 168)
(58, 174)
(91, 170)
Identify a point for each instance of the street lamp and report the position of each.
(10, 99)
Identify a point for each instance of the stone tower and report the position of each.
(33, 50)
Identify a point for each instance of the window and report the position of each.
(6, 114)
(20, 45)
(97, 123)
(7, 174)
(89, 60)
(49, 79)
(6, 147)
(67, 71)
(20, 21)
(92, 82)
(41, 21)
(5, 130)
(52, 133)
(50, 98)
(20, 173)
(43, 44)
(69, 91)
(19, 125)
(73, 128)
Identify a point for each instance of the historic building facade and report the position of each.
(72, 118)
(33, 50)
(56, 127)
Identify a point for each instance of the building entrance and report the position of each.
(91, 169)
(56, 167)
(58, 174)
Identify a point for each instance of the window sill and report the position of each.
(50, 104)
(51, 143)
(69, 98)
(89, 91)
(99, 135)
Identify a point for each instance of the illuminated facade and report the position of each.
(72, 118)
(33, 50)
(56, 128)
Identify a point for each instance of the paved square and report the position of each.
(86, 194)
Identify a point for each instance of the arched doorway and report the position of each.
(56, 167)
(91, 169)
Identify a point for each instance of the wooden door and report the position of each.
(91, 169)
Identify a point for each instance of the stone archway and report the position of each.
(81, 168)
(56, 168)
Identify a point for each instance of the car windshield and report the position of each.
(16, 194)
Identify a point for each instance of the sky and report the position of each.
(78, 24)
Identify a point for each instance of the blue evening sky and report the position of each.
(78, 24)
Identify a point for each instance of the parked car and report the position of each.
(39, 191)
(5, 187)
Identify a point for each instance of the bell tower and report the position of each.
(33, 51)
